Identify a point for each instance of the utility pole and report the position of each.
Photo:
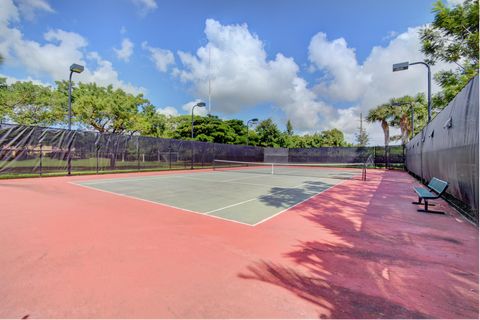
(361, 123)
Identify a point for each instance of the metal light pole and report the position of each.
(404, 66)
(74, 68)
(249, 122)
(200, 105)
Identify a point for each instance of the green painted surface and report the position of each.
(242, 197)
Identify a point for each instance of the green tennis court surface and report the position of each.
(244, 197)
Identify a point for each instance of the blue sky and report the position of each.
(318, 63)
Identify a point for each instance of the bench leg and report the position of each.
(419, 201)
(429, 211)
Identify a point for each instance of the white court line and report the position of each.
(263, 195)
(77, 183)
(133, 179)
(280, 212)
(230, 181)
(162, 204)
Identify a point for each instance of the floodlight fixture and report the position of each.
(404, 66)
(200, 105)
(74, 68)
(400, 66)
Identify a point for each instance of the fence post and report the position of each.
(138, 155)
(41, 158)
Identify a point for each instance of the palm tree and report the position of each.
(382, 114)
(401, 114)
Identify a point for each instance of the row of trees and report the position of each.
(452, 37)
(109, 110)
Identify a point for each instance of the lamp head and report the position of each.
(76, 68)
(400, 66)
(200, 104)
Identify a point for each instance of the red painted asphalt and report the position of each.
(358, 250)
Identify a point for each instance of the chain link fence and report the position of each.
(41, 150)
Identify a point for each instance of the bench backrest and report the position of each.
(437, 185)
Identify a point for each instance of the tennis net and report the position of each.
(320, 170)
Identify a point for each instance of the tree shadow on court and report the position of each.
(280, 197)
(346, 269)
(341, 301)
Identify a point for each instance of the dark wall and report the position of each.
(447, 148)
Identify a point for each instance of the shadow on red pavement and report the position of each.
(377, 257)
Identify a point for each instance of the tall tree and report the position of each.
(361, 136)
(240, 130)
(289, 128)
(382, 113)
(3, 99)
(27, 103)
(401, 115)
(210, 129)
(268, 133)
(453, 38)
(105, 109)
(150, 122)
(333, 138)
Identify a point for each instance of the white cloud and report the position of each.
(11, 80)
(242, 77)
(168, 111)
(161, 57)
(383, 84)
(8, 12)
(29, 8)
(125, 51)
(55, 54)
(145, 6)
(340, 63)
(452, 3)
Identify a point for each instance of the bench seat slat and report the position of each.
(424, 193)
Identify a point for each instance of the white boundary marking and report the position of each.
(230, 181)
(243, 202)
(78, 183)
(162, 204)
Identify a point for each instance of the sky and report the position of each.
(318, 63)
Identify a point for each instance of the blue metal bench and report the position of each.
(436, 188)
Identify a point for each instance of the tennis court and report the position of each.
(325, 244)
(243, 192)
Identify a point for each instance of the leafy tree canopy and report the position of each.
(452, 37)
